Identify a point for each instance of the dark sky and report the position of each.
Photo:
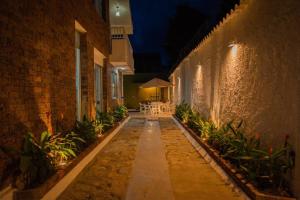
(150, 21)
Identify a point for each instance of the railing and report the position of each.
(117, 30)
(122, 53)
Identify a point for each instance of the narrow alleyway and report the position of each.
(149, 159)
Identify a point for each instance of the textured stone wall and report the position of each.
(249, 68)
(37, 65)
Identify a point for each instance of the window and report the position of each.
(98, 88)
(78, 75)
(114, 85)
(101, 8)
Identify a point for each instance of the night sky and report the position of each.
(150, 21)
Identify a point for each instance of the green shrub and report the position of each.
(99, 127)
(85, 130)
(267, 169)
(120, 112)
(107, 119)
(195, 122)
(36, 164)
(61, 147)
(183, 111)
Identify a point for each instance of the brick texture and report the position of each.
(37, 65)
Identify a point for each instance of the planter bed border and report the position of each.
(40, 191)
(237, 179)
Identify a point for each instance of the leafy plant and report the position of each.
(36, 164)
(267, 169)
(85, 130)
(120, 112)
(61, 147)
(107, 119)
(99, 127)
(183, 111)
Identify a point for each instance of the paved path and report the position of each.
(108, 175)
(150, 177)
(149, 160)
(192, 178)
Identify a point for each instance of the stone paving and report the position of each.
(191, 177)
(106, 177)
(149, 161)
(150, 177)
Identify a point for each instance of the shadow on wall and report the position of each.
(19, 114)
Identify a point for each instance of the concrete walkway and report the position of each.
(149, 160)
(150, 177)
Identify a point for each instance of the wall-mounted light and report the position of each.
(234, 48)
(118, 11)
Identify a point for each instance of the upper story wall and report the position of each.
(120, 17)
(249, 68)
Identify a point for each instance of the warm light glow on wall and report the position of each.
(147, 94)
(234, 49)
(179, 90)
(197, 96)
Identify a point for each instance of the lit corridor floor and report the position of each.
(149, 160)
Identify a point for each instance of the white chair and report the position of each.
(142, 108)
(154, 107)
(147, 108)
(165, 107)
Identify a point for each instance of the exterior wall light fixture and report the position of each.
(232, 45)
(117, 11)
(234, 48)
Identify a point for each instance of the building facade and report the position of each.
(248, 68)
(54, 55)
(121, 60)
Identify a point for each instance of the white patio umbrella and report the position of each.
(157, 83)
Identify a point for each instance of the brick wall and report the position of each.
(37, 65)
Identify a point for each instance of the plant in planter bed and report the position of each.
(85, 129)
(120, 112)
(106, 119)
(268, 170)
(183, 111)
(38, 158)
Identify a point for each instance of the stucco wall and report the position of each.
(257, 78)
